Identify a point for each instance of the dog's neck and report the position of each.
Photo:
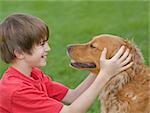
(110, 101)
(117, 82)
(114, 85)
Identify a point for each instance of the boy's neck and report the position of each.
(23, 68)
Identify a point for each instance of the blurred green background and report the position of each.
(79, 21)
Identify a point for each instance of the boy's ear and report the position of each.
(19, 53)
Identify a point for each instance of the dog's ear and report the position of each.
(112, 50)
(137, 57)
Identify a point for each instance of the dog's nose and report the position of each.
(69, 48)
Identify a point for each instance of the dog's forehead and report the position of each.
(106, 38)
(109, 41)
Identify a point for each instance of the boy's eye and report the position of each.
(42, 43)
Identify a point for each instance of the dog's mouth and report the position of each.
(82, 65)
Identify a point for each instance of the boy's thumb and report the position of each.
(103, 54)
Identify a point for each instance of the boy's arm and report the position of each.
(73, 94)
(109, 68)
(84, 101)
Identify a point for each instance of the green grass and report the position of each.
(77, 22)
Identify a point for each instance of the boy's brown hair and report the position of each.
(20, 32)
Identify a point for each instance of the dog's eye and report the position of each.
(92, 46)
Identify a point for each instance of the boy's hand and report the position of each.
(119, 62)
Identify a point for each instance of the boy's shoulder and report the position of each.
(14, 81)
(9, 84)
(10, 81)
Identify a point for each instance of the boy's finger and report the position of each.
(103, 55)
(119, 53)
(128, 59)
(127, 66)
(124, 56)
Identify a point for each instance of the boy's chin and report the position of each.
(42, 65)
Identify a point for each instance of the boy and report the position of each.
(24, 88)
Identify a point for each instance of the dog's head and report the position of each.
(86, 56)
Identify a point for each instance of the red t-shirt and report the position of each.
(21, 94)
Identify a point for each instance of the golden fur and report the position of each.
(127, 92)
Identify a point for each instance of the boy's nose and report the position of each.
(48, 48)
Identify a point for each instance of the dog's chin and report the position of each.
(80, 65)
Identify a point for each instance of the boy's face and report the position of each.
(39, 55)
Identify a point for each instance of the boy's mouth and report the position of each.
(44, 56)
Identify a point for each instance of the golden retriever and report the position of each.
(127, 92)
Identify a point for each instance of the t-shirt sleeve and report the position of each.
(55, 90)
(30, 100)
